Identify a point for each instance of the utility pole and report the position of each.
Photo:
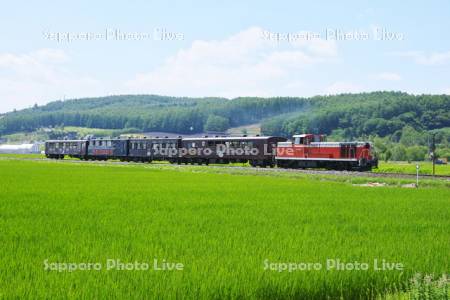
(433, 151)
(417, 176)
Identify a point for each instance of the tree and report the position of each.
(416, 153)
(399, 153)
(410, 136)
(216, 123)
(387, 155)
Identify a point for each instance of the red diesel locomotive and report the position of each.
(312, 151)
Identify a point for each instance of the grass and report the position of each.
(227, 169)
(22, 156)
(410, 168)
(220, 226)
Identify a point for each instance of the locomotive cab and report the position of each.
(306, 139)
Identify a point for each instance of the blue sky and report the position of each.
(220, 48)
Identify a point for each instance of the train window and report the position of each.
(144, 146)
(138, 146)
(298, 140)
(203, 143)
(109, 143)
(193, 144)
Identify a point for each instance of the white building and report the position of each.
(20, 149)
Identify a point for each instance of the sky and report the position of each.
(57, 50)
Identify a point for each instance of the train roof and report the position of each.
(154, 138)
(230, 138)
(65, 141)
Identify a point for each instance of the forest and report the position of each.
(401, 125)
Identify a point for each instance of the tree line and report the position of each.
(401, 120)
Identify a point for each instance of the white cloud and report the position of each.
(388, 76)
(37, 77)
(341, 87)
(428, 59)
(446, 91)
(244, 64)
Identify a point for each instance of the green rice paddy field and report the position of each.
(224, 228)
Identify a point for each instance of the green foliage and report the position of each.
(427, 287)
(399, 152)
(386, 117)
(147, 113)
(416, 153)
(216, 123)
(409, 137)
(392, 114)
(444, 153)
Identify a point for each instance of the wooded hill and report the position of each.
(390, 116)
(150, 113)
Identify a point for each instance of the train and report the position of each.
(302, 151)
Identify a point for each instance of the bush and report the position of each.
(416, 153)
(426, 287)
(399, 153)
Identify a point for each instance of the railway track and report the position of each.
(267, 170)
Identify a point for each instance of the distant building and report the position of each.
(20, 149)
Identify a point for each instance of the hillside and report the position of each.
(150, 113)
(395, 121)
